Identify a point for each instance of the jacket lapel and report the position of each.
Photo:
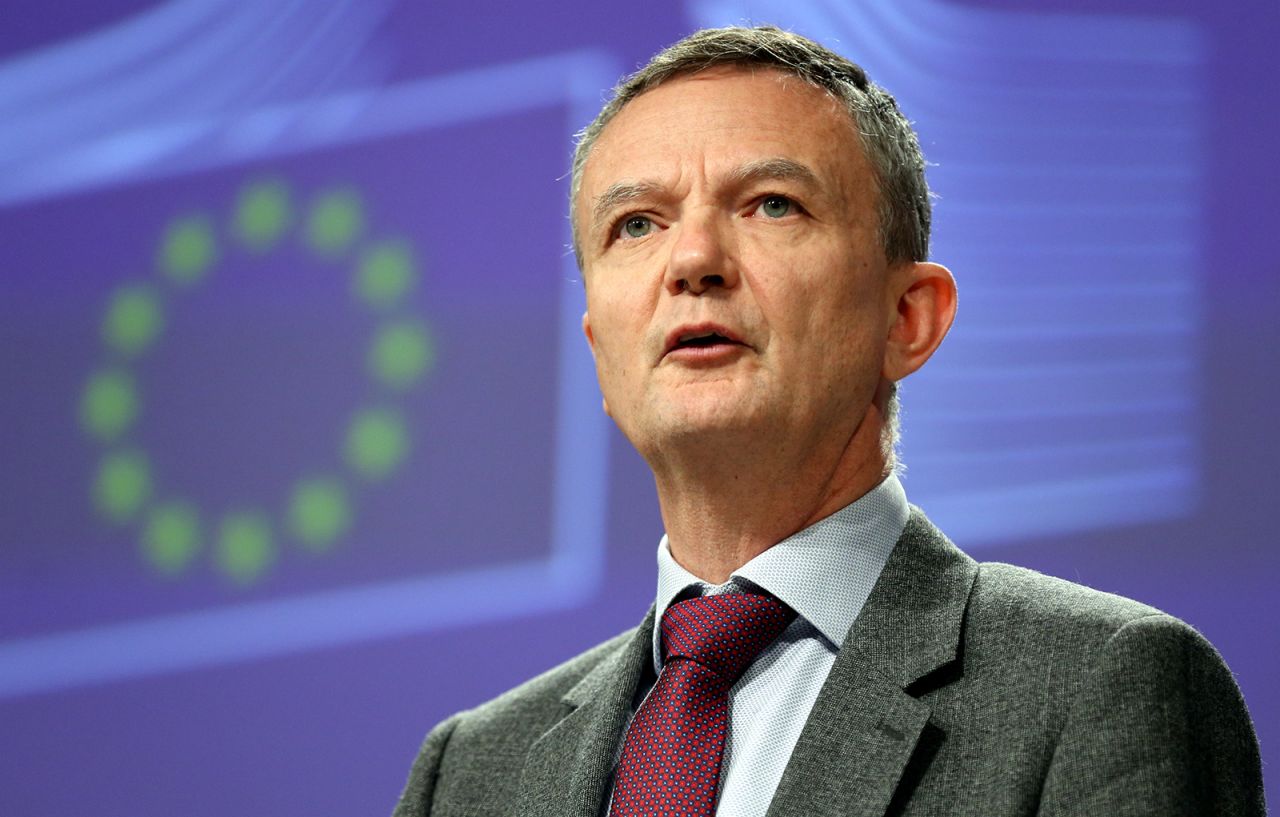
(866, 725)
(567, 770)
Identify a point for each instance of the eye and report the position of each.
(776, 207)
(635, 227)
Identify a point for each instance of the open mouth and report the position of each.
(702, 341)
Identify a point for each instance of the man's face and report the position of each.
(734, 275)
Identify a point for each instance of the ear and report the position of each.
(591, 342)
(924, 308)
(586, 330)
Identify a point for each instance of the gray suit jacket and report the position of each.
(962, 688)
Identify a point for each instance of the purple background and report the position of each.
(266, 697)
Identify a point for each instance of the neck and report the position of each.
(725, 504)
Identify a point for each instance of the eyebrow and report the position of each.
(776, 168)
(620, 193)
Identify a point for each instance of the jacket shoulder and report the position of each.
(1027, 601)
(1036, 638)
(471, 763)
(544, 691)
(1069, 700)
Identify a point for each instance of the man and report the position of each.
(751, 218)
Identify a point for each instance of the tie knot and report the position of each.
(724, 633)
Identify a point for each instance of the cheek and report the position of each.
(835, 328)
(812, 311)
(620, 309)
(616, 340)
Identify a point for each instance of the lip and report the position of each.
(706, 327)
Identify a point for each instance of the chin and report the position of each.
(703, 417)
(705, 411)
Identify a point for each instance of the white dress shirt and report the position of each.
(825, 573)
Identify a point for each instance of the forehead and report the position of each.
(715, 120)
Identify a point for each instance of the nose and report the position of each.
(701, 258)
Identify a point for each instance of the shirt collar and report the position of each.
(824, 572)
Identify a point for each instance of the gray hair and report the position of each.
(890, 144)
(887, 138)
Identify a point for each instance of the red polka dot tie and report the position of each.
(672, 753)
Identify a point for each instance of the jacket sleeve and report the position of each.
(416, 799)
(1158, 728)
